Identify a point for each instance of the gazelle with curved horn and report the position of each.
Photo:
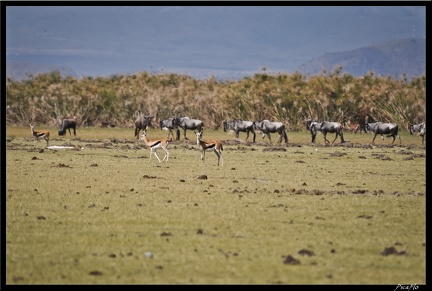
(41, 133)
(155, 144)
(209, 145)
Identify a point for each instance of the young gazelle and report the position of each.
(155, 144)
(41, 133)
(209, 145)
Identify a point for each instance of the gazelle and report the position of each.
(41, 133)
(155, 144)
(209, 145)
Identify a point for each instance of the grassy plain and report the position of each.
(103, 213)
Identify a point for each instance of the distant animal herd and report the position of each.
(265, 127)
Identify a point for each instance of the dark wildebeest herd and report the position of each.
(265, 127)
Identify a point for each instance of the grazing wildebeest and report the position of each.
(186, 123)
(239, 125)
(142, 122)
(391, 129)
(170, 124)
(325, 127)
(266, 127)
(67, 123)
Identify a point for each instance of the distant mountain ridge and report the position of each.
(227, 42)
(393, 58)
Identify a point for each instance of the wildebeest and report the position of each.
(239, 125)
(170, 124)
(423, 132)
(391, 129)
(420, 128)
(325, 127)
(142, 122)
(67, 123)
(266, 127)
(186, 123)
(416, 127)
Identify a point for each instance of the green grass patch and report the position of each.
(103, 213)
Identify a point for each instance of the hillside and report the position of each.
(227, 42)
(393, 58)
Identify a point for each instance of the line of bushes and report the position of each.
(289, 98)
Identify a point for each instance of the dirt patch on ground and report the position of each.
(241, 145)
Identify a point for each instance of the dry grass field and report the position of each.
(103, 213)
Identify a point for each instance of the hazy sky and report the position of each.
(105, 40)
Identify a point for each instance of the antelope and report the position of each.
(355, 126)
(42, 133)
(352, 126)
(209, 145)
(161, 143)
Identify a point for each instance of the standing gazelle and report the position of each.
(209, 145)
(41, 133)
(155, 144)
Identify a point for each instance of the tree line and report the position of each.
(288, 98)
